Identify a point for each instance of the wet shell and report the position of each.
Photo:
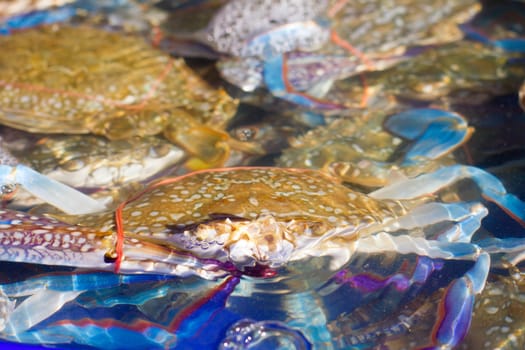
(81, 80)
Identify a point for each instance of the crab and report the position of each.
(380, 147)
(271, 42)
(257, 223)
(117, 86)
(89, 163)
(438, 75)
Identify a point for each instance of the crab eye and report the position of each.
(160, 150)
(245, 133)
(73, 165)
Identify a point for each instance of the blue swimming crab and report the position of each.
(298, 48)
(438, 75)
(89, 163)
(380, 146)
(254, 222)
(92, 162)
(117, 86)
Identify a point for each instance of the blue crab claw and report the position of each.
(53, 192)
(436, 132)
(491, 188)
(455, 310)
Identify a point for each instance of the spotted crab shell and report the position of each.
(250, 215)
(60, 79)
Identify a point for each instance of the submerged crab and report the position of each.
(92, 162)
(270, 42)
(439, 75)
(116, 86)
(370, 150)
(262, 222)
(87, 162)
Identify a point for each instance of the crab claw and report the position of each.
(455, 309)
(436, 132)
(208, 147)
(491, 188)
(53, 192)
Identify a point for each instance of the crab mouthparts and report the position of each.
(264, 241)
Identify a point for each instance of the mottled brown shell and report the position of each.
(306, 197)
(80, 79)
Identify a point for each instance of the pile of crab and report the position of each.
(311, 184)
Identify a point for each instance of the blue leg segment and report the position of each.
(367, 283)
(455, 310)
(514, 45)
(45, 295)
(77, 282)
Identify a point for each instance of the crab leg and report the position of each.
(53, 192)
(23, 320)
(57, 14)
(367, 283)
(106, 333)
(47, 294)
(491, 188)
(467, 216)
(458, 301)
(436, 132)
(306, 314)
(35, 309)
(406, 244)
(510, 250)
(455, 311)
(513, 45)
(32, 239)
